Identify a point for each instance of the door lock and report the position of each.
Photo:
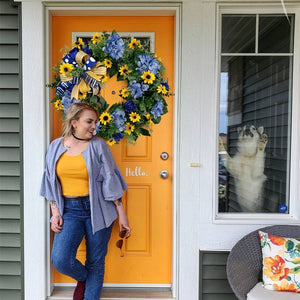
(164, 174)
(164, 155)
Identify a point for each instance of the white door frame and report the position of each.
(33, 149)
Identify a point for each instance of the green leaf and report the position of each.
(113, 70)
(288, 278)
(102, 104)
(144, 132)
(295, 270)
(289, 245)
(298, 247)
(94, 99)
(296, 261)
(157, 120)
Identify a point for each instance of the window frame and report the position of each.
(294, 174)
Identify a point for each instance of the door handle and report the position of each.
(164, 174)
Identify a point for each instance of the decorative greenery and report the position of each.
(87, 68)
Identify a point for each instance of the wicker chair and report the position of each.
(244, 262)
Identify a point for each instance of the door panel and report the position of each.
(148, 201)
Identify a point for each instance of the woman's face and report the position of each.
(84, 127)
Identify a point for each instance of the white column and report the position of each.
(34, 124)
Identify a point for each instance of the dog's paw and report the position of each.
(262, 142)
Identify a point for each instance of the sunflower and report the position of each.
(148, 77)
(148, 117)
(96, 38)
(107, 63)
(65, 68)
(82, 96)
(111, 141)
(134, 43)
(104, 79)
(78, 43)
(161, 89)
(124, 70)
(58, 105)
(134, 117)
(124, 93)
(129, 128)
(105, 118)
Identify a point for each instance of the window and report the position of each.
(255, 113)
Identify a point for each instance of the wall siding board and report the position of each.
(11, 235)
(10, 254)
(213, 283)
(9, 96)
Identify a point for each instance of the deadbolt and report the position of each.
(164, 155)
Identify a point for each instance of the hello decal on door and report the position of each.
(137, 171)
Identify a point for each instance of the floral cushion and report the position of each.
(281, 262)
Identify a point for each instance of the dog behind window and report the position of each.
(247, 167)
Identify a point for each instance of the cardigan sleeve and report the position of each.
(46, 187)
(113, 183)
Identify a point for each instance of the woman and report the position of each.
(84, 187)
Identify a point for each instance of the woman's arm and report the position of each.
(123, 220)
(57, 221)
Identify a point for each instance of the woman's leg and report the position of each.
(96, 249)
(65, 247)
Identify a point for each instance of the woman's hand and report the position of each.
(56, 223)
(57, 220)
(123, 220)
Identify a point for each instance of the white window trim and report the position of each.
(263, 218)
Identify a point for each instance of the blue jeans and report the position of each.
(77, 223)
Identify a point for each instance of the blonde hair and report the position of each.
(73, 113)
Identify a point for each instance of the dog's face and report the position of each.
(248, 139)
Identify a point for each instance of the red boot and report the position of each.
(79, 291)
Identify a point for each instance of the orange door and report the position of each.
(148, 201)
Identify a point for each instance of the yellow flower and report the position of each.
(82, 96)
(124, 93)
(161, 89)
(111, 141)
(134, 43)
(105, 118)
(58, 105)
(104, 79)
(285, 286)
(129, 128)
(124, 70)
(78, 43)
(148, 117)
(148, 77)
(96, 38)
(275, 268)
(158, 58)
(65, 68)
(107, 63)
(134, 117)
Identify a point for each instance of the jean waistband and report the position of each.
(77, 198)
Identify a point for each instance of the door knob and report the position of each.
(164, 174)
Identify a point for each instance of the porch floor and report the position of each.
(66, 293)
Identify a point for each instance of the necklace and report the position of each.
(77, 138)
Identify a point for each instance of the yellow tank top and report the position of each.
(73, 175)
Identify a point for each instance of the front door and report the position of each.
(148, 201)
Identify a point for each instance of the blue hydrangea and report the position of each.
(118, 117)
(157, 109)
(146, 63)
(67, 101)
(137, 89)
(115, 47)
(98, 127)
(118, 137)
(129, 107)
(166, 84)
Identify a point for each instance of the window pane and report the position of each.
(275, 34)
(254, 133)
(238, 34)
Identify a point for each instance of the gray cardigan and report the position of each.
(106, 182)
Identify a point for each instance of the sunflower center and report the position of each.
(66, 69)
(148, 76)
(105, 118)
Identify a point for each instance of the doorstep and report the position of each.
(66, 293)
